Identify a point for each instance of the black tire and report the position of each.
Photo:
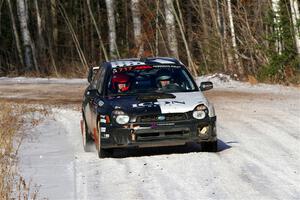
(210, 146)
(102, 153)
(87, 139)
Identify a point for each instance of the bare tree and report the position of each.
(137, 26)
(296, 21)
(54, 22)
(276, 10)
(181, 28)
(233, 38)
(1, 4)
(156, 27)
(38, 20)
(30, 59)
(74, 36)
(41, 41)
(16, 35)
(97, 30)
(171, 29)
(111, 28)
(221, 36)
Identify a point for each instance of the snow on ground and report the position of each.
(224, 82)
(258, 158)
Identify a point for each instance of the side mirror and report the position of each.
(90, 75)
(207, 85)
(92, 72)
(92, 93)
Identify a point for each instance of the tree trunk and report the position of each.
(30, 60)
(205, 47)
(188, 52)
(276, 10)
(137, 27)
(189, 26)
(74, 36)
(111, 28)
(171, 29)
(38, 20)
(156, 28)
(41, 41)
(97, 30)
(54, 23)
(296, 21)
(16, 35)
(233, 38)
(127, 20)
(1, 4)
(221, 37)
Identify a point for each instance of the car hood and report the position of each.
(182, 102)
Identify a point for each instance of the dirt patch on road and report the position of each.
(72, 94)
(42, 93)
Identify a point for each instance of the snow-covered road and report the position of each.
(258, 158)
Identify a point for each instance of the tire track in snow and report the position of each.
(258, 164)
(253, 145)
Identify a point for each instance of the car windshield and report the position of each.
(146, 78)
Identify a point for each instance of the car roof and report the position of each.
(144, 61)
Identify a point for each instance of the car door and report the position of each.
(94, 104)
(89, 107)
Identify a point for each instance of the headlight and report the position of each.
(122, 119)
(200, 112)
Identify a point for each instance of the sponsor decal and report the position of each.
(163, 61)
(167, 66)
(103, 129)
(131, 68)
(166, 124)
(126, 63)
(100, 103)
(103, 120)
(155, 125)
(155, 104)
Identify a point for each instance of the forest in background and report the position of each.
(248, 39)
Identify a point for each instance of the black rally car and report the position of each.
(146, 103)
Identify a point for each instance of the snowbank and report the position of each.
(225, 82)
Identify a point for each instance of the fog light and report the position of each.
(203, 131)
(133, 135)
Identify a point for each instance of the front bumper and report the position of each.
(159, 134)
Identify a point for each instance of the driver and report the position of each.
(163, 79)
(121, 82)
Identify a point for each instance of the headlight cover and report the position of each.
(120, 117)
(200, 112)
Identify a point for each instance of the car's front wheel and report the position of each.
(210, 146)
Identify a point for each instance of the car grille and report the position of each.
(158, 117)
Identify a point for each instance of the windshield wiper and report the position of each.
(154, 95)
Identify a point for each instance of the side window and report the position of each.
(96, 79)
(101, 80)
